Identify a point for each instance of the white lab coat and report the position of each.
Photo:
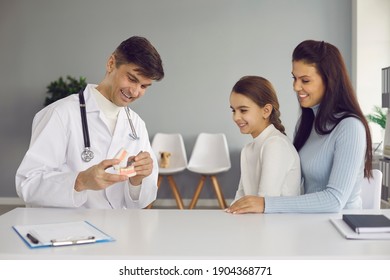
(47, 174)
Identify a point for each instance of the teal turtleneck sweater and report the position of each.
(332, 170)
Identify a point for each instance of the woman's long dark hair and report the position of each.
(261, 92)
(339, 100)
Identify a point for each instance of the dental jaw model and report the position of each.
(128, 170)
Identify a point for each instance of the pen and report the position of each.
(32, 238)
(89, 239)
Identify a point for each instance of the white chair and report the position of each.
(371, 191)
(209, 157)
(174, 144)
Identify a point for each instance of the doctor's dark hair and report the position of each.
(140, 51)
(261, 92)
(339, 100)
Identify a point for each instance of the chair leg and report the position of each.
(197, 192)
(175, 192)
(218, 192)
(159, 180)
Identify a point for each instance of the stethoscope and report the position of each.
(87, 155)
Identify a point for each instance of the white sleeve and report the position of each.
(141, 196)
(43, 178)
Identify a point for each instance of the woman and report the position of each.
(270, 164)
(332, 137)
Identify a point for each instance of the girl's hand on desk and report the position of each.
(247, 204)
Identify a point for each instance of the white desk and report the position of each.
(193, 234)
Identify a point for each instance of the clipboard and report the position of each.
(61, 234)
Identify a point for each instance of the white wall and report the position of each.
(372, 21)
(206, 47)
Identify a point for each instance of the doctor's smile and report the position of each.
(126, 95)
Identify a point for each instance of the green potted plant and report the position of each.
(61, 88)
(378, 116)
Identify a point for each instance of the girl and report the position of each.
(270, 164)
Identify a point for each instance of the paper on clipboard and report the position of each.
(60, 234)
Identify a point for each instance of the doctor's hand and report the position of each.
(143, 166)
(96, 178)
(247, 204)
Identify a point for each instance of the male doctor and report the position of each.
(56, 172)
